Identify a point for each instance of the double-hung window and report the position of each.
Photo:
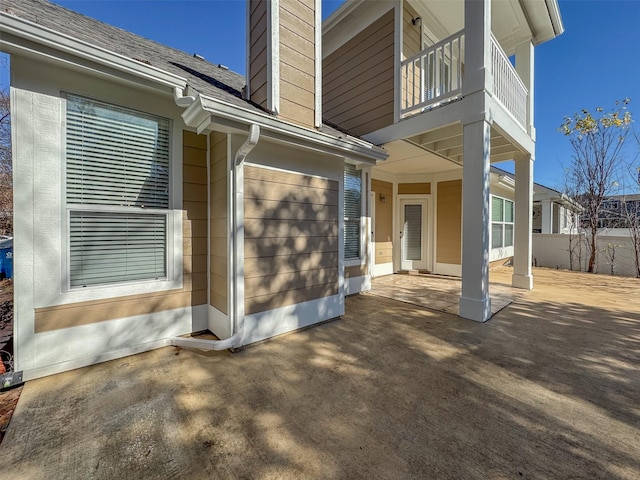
(352, 212)
(501, 222)
(117, 193)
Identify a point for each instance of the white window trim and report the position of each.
(361, 258)
(502, 251)
(174, 253)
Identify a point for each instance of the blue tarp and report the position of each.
(6, 257)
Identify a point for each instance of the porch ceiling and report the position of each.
(440, 150)
(512, 22)
(406, 157)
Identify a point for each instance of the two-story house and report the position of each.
(447, 89)
(157, 194)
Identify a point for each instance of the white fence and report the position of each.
(552, 250)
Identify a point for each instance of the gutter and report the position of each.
(14, 28)
(199, 113)
(237, 251)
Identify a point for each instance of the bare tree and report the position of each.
(6, 175)
(597, 142)
(631, 207)
(573, 223)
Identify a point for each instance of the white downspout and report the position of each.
(237, 254)
(180, 99)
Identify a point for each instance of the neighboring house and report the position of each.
(157, 194)
(554, 212)
(618, 211)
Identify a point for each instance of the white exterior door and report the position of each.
(413, 234)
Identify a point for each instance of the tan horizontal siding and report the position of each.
(281, 282)
(266, 265)
(302, 79)
(383, 227)
(296, 41)
(293, 22)
(194, 223)
(286, 178)
(258, 41)
(412, 41)
(449, 235)
(282, 192)
(218, 282)
(412, 44)
(297, 62)
(84, 313)
(302, 9)
(258, 247)
(294, 93)
(414, 188)
(290, 297)
(370, 89)
(355, 271)
(358, 80)
(266, 228)
(272, 209)
(291, 238)
(383, 252)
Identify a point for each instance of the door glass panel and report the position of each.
(412, 236)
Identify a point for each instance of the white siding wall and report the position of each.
(38, 112)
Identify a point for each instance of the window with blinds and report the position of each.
(117, 186)
(501, 222)
(352, 212)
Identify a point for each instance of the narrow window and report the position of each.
(502, 215)
(352, 212)
(117, 193)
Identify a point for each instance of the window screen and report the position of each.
(352, 212)
(117, 169)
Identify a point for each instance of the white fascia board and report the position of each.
(348, 147)
(47, 37)
(554, 15)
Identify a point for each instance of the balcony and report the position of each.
(435, 76)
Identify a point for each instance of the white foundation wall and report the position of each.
(40, 237)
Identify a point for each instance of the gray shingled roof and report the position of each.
(207, 78)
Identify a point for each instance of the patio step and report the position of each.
(414, 272)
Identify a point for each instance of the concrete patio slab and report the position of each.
(438, 292)
(548, 388)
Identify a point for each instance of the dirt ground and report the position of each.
(8, 399)
(548, 388)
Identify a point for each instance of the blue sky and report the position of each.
(595, 62)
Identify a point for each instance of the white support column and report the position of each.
(477, 32)
(522, 277)
(525, 70)
(475, 303)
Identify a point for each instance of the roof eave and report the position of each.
(14, 27)
(204, 110)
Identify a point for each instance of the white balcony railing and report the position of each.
(433, 75)
(507, 86)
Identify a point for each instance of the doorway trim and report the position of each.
(427, 228)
